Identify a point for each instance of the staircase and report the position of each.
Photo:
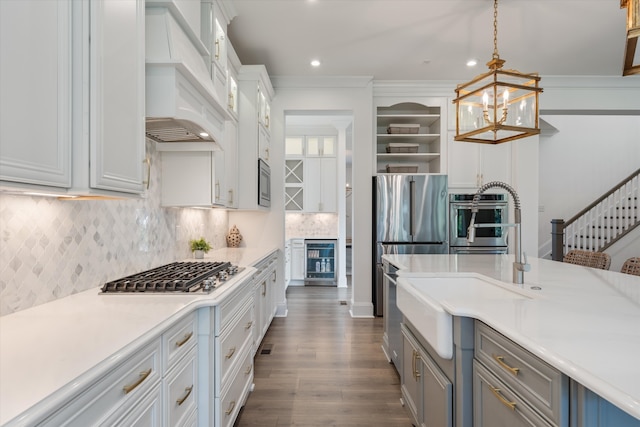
(601, 224)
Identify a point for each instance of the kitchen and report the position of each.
(52, 249)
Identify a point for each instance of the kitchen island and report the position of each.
(55, 354)
(583, 322)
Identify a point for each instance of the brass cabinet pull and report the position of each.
(500, 360)
(501, 398)
(180, 401)
(249, 325)
(186, 338)
(143, 376)
(232, 103)
(217, 54)
(248, 370)
(228, 356)
(414, 365)
(264, 288)
(147, 161)
(230, 409)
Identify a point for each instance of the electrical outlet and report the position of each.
(541, 208)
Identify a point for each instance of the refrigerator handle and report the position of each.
(412, 197)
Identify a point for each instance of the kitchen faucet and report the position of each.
(519, 267)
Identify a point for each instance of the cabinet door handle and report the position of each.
(186, 338)
(264, 288)
(147, 161)
(502, 399)
(181, 400)
(414, 366)
(143, 376)
(248, 370)
(500, 360)
(217, 55)
(230, 409)
(230, 354)
(231, 100)
(249, 325)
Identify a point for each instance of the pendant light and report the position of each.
(633, 34)
(499, 105)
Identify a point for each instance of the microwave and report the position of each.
(264, 184)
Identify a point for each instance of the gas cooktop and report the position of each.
(177, 277)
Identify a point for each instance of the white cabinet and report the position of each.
(215, 20)
(471, 165)
(189, 178)
(114, 396)
(320, 184)
(297, 259)
(264, 297)
(86, 100)
(36, 101)
(255, 94)
(311, 169)
(409, 135)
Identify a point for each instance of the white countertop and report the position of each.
(49, 351)
(584, 322)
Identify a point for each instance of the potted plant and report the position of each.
(199, 247)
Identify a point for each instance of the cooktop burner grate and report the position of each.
(174, 277)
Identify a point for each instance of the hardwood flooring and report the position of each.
(323, 368)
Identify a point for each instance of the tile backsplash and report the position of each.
(50, 249)
(311, 225)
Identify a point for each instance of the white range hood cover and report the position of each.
(181, 105)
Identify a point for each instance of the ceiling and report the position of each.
(429, 39)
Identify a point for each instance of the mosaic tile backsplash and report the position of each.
(51, 248)
(310, 225)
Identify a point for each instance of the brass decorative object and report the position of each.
(633, 34)
(497, 106)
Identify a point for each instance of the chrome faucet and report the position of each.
(520, 265)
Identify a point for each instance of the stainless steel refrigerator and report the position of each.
(410, 217)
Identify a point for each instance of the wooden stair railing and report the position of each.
(605, 221)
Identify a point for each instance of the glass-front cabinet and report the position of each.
(320, 262)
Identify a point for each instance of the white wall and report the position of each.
(587, 157)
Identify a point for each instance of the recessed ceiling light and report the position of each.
(315, 63)
(472, 63)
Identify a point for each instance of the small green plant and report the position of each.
(200, 245)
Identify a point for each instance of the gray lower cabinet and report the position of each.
(426, 390)
(511, 383)
(590, 410)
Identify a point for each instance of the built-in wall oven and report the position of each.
(492, 209)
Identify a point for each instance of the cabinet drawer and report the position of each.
(230, 307)
(147, 413)
(117, 391)
(538, 383)
(233, 398)
(233, 341)
(495, 404)
(181, 389)
(178, 340)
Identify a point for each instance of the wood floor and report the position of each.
(324, 368)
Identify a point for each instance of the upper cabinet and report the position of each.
(409, 135)
(85, 95)
(311, 174)
(472, 165)
(254, 133)
(215, 19)
(36, 92)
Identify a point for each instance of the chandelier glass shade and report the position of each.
(499, 105)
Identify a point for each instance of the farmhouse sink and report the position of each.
(429, 303)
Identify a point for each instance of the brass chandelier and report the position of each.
(499, 105)
(633, 34)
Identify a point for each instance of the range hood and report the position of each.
(181, 105)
